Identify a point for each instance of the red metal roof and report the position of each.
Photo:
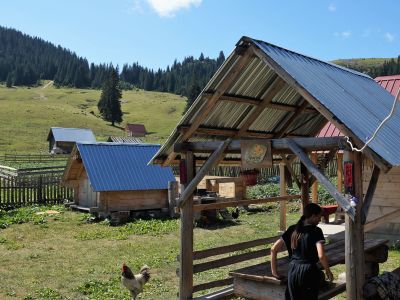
(136, 129)
(390, 83)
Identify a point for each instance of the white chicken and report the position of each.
(134, 283)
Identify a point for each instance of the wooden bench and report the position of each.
(257, 282)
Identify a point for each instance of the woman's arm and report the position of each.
(277, 247)
(324, 260)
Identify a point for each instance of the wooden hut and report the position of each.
(125, 139)
(136, 130)
(111, 177)
(62, 140)
(279, 100)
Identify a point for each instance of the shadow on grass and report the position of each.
(217, 224)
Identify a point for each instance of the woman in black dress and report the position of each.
(305, 244)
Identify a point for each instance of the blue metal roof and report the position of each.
(71, 134)
(355, 99)
(123, 167)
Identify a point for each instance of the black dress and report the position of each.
(304, 276)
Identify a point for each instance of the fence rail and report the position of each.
(24, 158)
(25, 189)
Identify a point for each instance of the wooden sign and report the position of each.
(256, 154)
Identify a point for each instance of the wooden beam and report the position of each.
(321, 177)
(283, 193)
(314, 188)
(308, 144)
(225, 132)
(339, 172)
(212, 160)
(383, 164)
(354, 237)
(255, 102)
(288, 165)
(186, 238)
(212, 284)
(291, 119)
(381, 220)
(305, 191)
(370, 194)
(271, 92)
(234, 74)
(219, 205)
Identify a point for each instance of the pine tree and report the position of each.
(9, 80)
(109, 104)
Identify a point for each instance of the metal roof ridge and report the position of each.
(117, 144)
(308, 56)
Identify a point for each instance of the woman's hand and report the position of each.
(277, 276)
(329, 275)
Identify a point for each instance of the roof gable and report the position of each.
(118, 167)
(136, 128)
(61, 134)
(245, 99)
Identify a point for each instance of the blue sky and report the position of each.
(155, 32)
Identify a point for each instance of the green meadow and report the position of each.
(27, 113)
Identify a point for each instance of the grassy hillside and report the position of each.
(28, 113)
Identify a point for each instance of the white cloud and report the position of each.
(389, 37)
(343, 34)
(332, 7)
(168, 8)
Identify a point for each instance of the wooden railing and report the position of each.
(23, 158)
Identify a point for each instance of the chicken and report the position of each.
(134, 283)
(235, 213)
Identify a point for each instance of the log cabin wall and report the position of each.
(386, 200)
(133, 200)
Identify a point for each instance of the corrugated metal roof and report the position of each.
(354, 99)
(71, 134)
(125, 139)
(123, 167)
(389, 83)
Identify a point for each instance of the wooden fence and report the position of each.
(34, 158)
(23, 187)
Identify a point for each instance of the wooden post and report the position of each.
(172, 196)
(314, 191)
(282, 204)
(305, 192)
(354, 237)
(186, 245)
(340, 172)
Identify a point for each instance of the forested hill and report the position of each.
(24, 60)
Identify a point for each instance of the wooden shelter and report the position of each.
(266, 94)
(112, 177)
(135, 130)
(62, 140)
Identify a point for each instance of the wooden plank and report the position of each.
(271, 92)
(290, 120)
(212, 284)
(339, 172)
(234, 247)
(211, 161)
(382, 220)
(340, 288)
(228, 132)
(288, 165)
(234, 74)
(354, 236)
(321, 178)
(218, 205)
(226, 261)
(314, 187)
(383, 164)
(223, 294)
(186, 238)
(278, 145)
(283, 193)
(370, 194)
(305, 192)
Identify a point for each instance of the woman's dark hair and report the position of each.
(310, 210)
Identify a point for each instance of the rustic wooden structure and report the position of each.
(135, 130)
(108, 177)
(62, 140)
(264, 92)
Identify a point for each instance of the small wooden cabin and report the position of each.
(109, 177)
(125, 139)
(62, 140)
(278, 99)
(136, 130)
